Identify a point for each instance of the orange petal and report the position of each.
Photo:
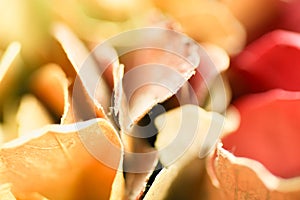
(49, 83)
(240, 178)
(256, 15)
(207, 21)
(31, 196)
(59, 161)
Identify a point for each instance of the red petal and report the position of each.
(270, 62)
(290, 15)
(269, 131)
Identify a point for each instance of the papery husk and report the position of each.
(218, 56)
(137, 170)
(137, 94)
(209, 85)
(166, 52)
(139, 163)
(118, 187)
(188, 135)
(207, 21)
(107, 60)
(184, 175)
(182, 178)
(56, 163)
(219, 95)
(184, 182)
(39, 116)
(85, 105)
(242, 178)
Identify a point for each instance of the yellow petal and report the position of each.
(27, 23)
(207, 21)
(31, 196)
(187, 132)
(39, 116)
(10, 69)
(181, 142)
(5, 193)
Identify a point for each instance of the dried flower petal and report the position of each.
(167, 57)
(167, 66)
(55, 163)
(137, 168)
(220, 95)
(185, 182)
(85, 105)
(185, 134)
(240, 178)
(208, 79)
